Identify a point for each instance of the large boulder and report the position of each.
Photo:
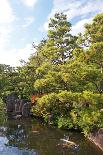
(17, 107)
(10, 102)
(26, 109)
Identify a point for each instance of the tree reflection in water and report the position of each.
(30, 137)
(15, 139)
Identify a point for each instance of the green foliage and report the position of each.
(71, 110)
(60, 42)
(8, 81)
(65, 122)
(68, 71)
(94, 31)
(2, 112)
(89, 119)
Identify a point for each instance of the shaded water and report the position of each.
(30, 137)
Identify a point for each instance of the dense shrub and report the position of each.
(71, 110)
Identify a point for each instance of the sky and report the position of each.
(23, 22)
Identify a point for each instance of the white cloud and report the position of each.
(79, 26)
(44, 27)
(23, 53)
(7, 16)
(65, 6)
(28, 21)
(29, 3)
(5, 34)
(90, 7)
(75, 8)
(6, 12)
(13, 56)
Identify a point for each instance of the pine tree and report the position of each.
(60, 42)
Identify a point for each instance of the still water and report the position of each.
(30, 137)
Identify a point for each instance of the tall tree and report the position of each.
(56, 51)
(60, 43)
(94, 31)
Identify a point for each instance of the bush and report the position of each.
(71, 110)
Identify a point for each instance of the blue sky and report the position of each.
(25, 21)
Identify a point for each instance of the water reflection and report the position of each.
(8, 150)
(13, 139)
(31, 137)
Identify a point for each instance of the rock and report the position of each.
(10, 102)
(17, 116)
(101, 110)
(22, 102)
(26, 109)
(16, 107)
(97, 138)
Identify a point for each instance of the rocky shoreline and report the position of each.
(97, 138)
